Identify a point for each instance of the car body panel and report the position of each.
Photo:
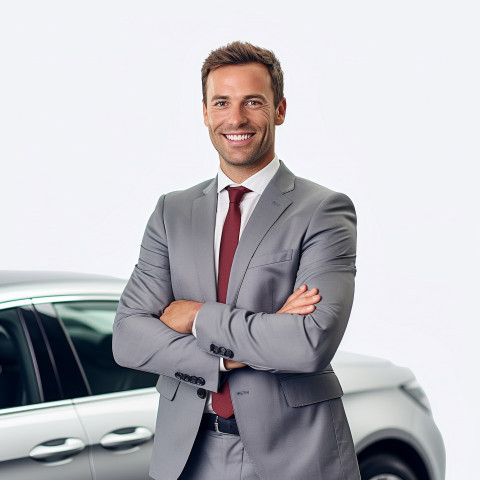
(109, 414)
(382, 374)
(389, 414)
(23, 429)
(378, 409)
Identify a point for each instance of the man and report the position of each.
(211, 293)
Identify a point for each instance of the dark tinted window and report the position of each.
(47, 373)
(89, 325)
(18, 378)
(67, 366)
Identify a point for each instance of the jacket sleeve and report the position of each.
(290, 343)
(140, 340)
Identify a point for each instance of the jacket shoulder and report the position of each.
(315, 193)
(192, 192)
(172, 201)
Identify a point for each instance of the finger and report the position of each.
(309, 293)
(299, 291)
(303, 302)
(301, 310)
(305, 293)
(297, 304)
(306, 298)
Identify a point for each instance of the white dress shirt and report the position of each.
(257, 184)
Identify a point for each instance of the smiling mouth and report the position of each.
(239, 138)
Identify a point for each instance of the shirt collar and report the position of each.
(256, 183)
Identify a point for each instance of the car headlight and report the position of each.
(415, 391)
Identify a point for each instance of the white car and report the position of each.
(67, 411)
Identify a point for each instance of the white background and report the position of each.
(100, 113)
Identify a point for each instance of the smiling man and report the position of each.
(246, 387)
(241, 112)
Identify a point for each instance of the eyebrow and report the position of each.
(219, 97)
(247, 97)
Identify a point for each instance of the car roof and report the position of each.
(357, 372)
(22, 284)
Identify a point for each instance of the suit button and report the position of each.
(193, 379)
(213, 348)
(187, 378)
(179, 375)
(222, 350)
(202, 393)
(200, 381)
(229, 354)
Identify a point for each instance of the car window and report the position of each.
(89, 325)
(18, 375)
(11, 388)
(68, 369)
(47, 377)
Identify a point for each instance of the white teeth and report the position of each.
(239, 137)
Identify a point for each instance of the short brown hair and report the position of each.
(237, 53)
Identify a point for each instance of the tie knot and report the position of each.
(236, 193)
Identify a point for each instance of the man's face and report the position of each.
(241, 116)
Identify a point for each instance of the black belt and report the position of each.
(213, 422)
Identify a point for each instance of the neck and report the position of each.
(239, 173)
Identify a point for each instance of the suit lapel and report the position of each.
(203, 231)
(271, 205)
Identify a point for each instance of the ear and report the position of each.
(205, 114)
(280, 112)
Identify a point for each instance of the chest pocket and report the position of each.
(269, 258)
(301, 390)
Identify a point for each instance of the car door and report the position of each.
(41, 437)
(119, 411)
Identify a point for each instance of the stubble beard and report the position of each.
(253, 158)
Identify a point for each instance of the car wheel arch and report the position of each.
(399, 444)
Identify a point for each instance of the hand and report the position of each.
(232, 364)
(180, 314)
(302, 301)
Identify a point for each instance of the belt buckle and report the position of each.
(217, 430)
(216, 425)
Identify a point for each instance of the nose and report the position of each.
(238, 117)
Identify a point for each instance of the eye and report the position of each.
(220, 103)
(253, 103)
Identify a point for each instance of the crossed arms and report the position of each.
(180, 314)
(286, 341)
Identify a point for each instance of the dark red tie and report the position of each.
(221, 401)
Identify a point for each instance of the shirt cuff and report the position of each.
(222, 365)
(194, 326)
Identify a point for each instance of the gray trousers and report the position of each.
(218, 455)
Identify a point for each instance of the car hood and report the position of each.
(361, 372)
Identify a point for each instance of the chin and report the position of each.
(241, 162)
(245, 161)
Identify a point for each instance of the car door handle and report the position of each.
(58, 449)
(126, 437)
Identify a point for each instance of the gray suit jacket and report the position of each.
(287, 401)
